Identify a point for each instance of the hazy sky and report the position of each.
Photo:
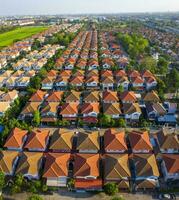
(21, 7)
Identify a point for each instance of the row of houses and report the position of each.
(35, 60)
(104, 80)
(18, 79)
(87, 105)
(128, 160)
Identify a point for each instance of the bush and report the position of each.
(111, 189)
(35, 197)
(117, 198)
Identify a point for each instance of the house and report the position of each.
(106, 73)
(150, 83)
(61, 141)
(69, 111)
(155, 110)
(112, 109)
(70, 63)
(170, 167)
(8, 162)
(73, 97)
(87, 172)
(4, 106)
(38, 96)
(88, 142)
(56, 169)
(107, 82)
(122, 62)
(110, 97)
(150, 97)
(29, 109)
(76, 81)
(52, 73)
(47, 83)
(93, 64)
(90, 96)
(168, 140)
(90, 112)
(16, 139)
(62, 82)
(116, 169)
(131, 111)
(133, 73)
(92, 82)
(2, 80)
(114, 141)
(54, 96)
(107, 63)
(49, 112)
(145, 169)
(37, 140)
(140, 142)
(137, 83)
(9, 97)
(93, 72)
(65, 73)
(128, 97)
(23, 82)
(29, 165)
(119, 73)
(123, 81)
(150, 80)
(11, 82)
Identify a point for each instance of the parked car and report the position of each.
(167, 196)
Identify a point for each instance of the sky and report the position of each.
(36, 7)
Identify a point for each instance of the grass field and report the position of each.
(10, 37)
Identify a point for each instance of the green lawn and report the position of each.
(10, 37)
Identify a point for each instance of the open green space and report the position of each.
(8, 38)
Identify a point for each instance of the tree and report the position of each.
(36, 118)
(105, 120)
(111, 189)
(161, 87)
(120, 89)
(35, 197)
(2, 180)
(162, 65)
(148, 63)
(19, 180)
(35, 82)
(173, 80)
(121, 123)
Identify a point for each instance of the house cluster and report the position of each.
(6, 100)
(111, 53)
(81, 52)
(166, 42)
(35, 60)
(12, 52)
(93, 159)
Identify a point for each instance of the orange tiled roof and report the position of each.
(69, 108)
(86, 165)
(15, 138)
(37, 139)
(140, 141)
(114, 140)
(56, 165)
